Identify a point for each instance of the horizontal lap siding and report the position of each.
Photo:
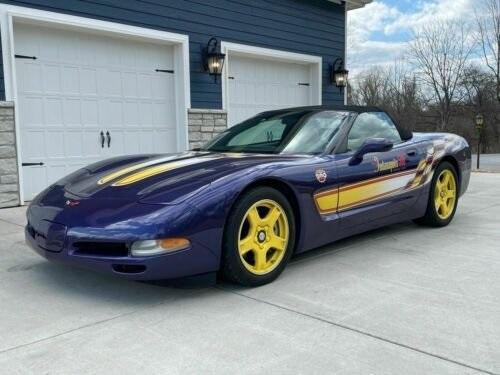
(314, 27)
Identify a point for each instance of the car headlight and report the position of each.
(158, 247)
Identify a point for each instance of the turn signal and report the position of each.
(158, 247)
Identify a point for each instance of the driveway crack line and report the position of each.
(361, 332)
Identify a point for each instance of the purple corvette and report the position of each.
(278, 184)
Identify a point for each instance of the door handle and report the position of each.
(109, 138)
(412, 153)
(102, 139)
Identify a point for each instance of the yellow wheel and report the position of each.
(443, 197)
(445, 194)
(263, 237)
(259, 237)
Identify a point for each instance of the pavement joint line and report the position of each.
(361, 332)
(89, 325)
(10, 222)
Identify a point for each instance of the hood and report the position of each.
(173, 176)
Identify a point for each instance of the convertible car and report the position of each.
(281, 183)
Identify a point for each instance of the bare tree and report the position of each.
(488, 21)
(440, 52)
(370, 87)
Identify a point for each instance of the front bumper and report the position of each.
(195, 260)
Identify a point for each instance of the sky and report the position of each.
(377, 33)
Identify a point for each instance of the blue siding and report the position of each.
(314, 27)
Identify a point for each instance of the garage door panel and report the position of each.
(82, 84)
(146, 113)
(32, 118)
(73, 144)
(259, 85)
(110, 113)
(92, 142)
(118, 142)
(160, 81)
(130, 84)
(51, 77)
(131, 117)
(33, 145)
(131, 140)
(145, 86)
(109, 82)
(88, 81)
(90, 112)
(53, 112)
(35, 179)
(57, 171)
(164, 138)
(30, 78)
(70, 80)
(54, 148)
(72, 112)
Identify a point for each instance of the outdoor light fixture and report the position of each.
(479, 121)
(479, 127)
(214, 60)
(339, 73)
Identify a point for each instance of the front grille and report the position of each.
(101, 249)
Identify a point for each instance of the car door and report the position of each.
(379, 185)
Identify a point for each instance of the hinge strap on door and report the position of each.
(25, 57)
(164, 71)
(31, 164)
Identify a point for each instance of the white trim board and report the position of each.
(11, 14)
(276, 55)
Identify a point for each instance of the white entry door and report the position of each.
(255, 85)
(86, 96)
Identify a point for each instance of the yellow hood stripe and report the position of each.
(112, 176)
(158, 169)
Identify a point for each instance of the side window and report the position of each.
(372, 125)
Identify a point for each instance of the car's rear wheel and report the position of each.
(259, 237)
(443, 197)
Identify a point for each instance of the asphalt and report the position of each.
(487, 162)
(401, 300)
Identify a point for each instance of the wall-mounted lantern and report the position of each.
(339, 74)
(214, 60)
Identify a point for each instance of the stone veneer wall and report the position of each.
(204, 124)
(9, 181)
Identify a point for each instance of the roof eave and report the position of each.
(352, 4)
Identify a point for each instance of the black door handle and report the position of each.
(102, 139)
(109, 138)
(411, 153)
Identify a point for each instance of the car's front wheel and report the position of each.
(259, 237)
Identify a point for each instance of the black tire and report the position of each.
(431, 217)
(233, 268)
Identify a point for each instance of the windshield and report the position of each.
(299, 132)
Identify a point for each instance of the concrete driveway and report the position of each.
(402, 300)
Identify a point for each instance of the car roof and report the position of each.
(319, 108)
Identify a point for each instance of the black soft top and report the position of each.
(319, 108)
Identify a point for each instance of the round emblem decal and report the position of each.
(321, 176)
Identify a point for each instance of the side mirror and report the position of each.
(368, 146)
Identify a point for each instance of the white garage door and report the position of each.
(257, 85)
(83, 86)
